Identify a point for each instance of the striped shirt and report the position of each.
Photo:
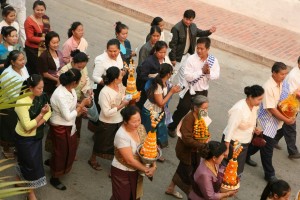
(273, 94)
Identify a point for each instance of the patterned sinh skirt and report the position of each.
(124, 184)
(104, 140)
(64, 150)
(30, 161)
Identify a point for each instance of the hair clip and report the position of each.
(72, 72)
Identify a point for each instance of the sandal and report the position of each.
(55, 182)
(174, 194)
(161, 159)
(8, 155)
(95, 165)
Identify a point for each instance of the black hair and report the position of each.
(79, 56)
(12, 56)
(165, 69)
(112, 73)
(204, 40)
(73, 27)
(49, 36)
(189, 14)
(154, 29)
(70, 76)
(34, 80)
(6, 30)
(119, 27)
(156, 21)
(279, 187)
(299, 60)
(158, 46)
(254, 91)
(7, 10)
(112, 42)
(278, 66)
(39, 3)
(129, 111)
(215, 149)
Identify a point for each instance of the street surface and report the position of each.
(85, 183)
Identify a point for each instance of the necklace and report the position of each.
(212, 168)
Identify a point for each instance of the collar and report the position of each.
(273, 83)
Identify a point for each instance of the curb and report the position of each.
(217, 41)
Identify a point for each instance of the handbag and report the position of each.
(258, 141)
(93, 114)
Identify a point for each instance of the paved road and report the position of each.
(236, 73)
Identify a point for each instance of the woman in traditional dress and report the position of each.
(111, 57)
(36, 26)
(30, 132)
(50, 62)
(159, 94)
(150, 68)
(62, 125)
(145, 50)
(241, 124)
(15, 72)
(126, 164)
(188, 150)
(75, 41)
(208, 178)
(111, 101)
(10, 43)
(84, 88)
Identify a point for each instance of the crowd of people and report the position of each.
(62, 94)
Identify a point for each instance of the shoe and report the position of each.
(271, 179)
(172, 133)
(295, 156)
(251, 162)
(174, 194)
(55, 182)
(47, 162)
(276, 146)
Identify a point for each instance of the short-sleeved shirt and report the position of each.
(122, 140)
(148, 104)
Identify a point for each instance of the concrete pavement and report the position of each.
(85, 183)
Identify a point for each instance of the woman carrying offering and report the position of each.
(126, 164)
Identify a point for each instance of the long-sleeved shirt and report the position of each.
(102, 63)
(109, 99)
(63, 105)
(241, 122)
(144, 52)
(207, 183)
(293, 79)
(191, 76)
(25, 124)
(84, 83)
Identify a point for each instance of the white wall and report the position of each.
(283, 13)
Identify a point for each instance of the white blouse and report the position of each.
(241, 122)
(156, 108)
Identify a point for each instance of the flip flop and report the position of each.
(57, 184)
(95, 165)
(174, 194)
(161, 159)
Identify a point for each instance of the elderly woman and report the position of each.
(30, 132)
(208, 176)
(50, 62)
(15, 71)
(111, 101)
(159, 94)
(36, 27)
(242, 122)
(62, 125)
(75, 41)
(188, 150)
(126, 164)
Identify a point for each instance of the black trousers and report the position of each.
(183, 107)
(266, 155)
(289, 133)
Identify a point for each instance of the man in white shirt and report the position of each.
(194, 78)
(270, 119)
(289, 131)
